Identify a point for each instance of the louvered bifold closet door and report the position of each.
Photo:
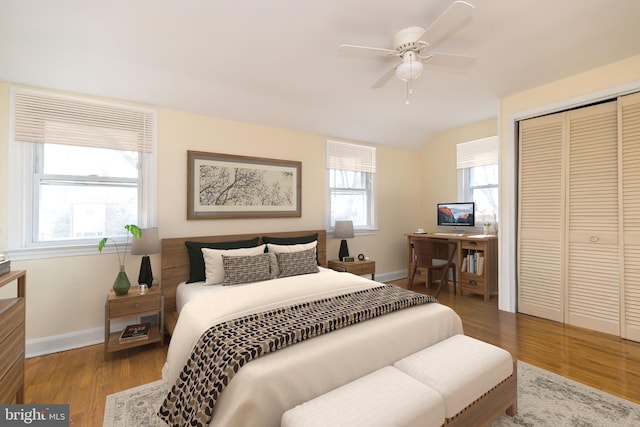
(593, 268)
(540, 213)
(629, 116)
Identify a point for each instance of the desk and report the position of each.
(485, 284)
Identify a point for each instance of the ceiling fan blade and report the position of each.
(385, 77)
(450, 21)
(440, 59)
(366, 50)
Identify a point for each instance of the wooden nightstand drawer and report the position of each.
(133, 304)
(359, 268)
(363, 267)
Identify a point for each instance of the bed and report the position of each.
(268, 386)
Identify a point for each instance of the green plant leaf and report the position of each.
(134, 230)
(102, 243)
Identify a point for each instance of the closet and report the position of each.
(579, 217)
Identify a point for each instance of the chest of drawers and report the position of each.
(12, 340)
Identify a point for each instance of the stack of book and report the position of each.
(473, 263)
(136, 332)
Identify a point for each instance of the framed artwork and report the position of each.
(226, 186)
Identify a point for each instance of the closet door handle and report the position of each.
(593, 239)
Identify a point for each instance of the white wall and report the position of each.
(65, 296)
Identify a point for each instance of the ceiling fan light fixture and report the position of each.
(409, 70)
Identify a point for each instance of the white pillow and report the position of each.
(273, 248)
(213, 266)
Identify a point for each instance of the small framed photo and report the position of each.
(348, 259)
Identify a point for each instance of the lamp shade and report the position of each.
(409, 70)
(148, 244)
(343, 230)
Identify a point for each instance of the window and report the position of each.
(477, 163)
(352, 175)
(81, 170)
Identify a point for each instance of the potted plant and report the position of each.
(487, 228)
(121, 285)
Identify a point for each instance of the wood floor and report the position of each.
(82, 379)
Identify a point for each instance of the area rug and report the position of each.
(544, 399)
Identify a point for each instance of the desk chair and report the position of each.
(424, 256)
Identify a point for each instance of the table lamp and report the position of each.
(343, 230)
(148, 244)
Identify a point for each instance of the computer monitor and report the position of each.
(460, 214)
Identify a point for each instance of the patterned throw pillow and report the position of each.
(297, 247)
(214, 268)
(245, 269)
(295, 263)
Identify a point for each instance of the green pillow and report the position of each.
(196, 260)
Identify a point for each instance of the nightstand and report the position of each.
(357, 267)
(131, 304)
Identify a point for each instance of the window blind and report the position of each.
(46, 118)
(353, 157)
(480, 152)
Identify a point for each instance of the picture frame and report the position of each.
(222, 186)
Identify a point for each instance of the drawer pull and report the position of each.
(473, 282)
(136, 305)
(594, 239)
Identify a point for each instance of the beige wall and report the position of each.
(66, 295)
(438, 177)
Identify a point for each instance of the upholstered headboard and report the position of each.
(175, 258)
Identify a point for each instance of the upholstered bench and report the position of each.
(463, 371)
(460, 381)
(386, 397)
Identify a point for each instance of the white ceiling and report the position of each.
(275, 62)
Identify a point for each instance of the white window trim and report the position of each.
(479, 152)
(371, 168)
(21, 176)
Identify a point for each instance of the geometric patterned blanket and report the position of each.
(224, 348)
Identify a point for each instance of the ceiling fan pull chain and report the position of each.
(409, 88)
(412, 77)
(408, 92)
(407, 101)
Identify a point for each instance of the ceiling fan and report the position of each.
(413, 46)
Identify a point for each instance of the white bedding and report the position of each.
(186, 292)
(265, 388)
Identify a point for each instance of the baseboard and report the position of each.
(55, 343)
